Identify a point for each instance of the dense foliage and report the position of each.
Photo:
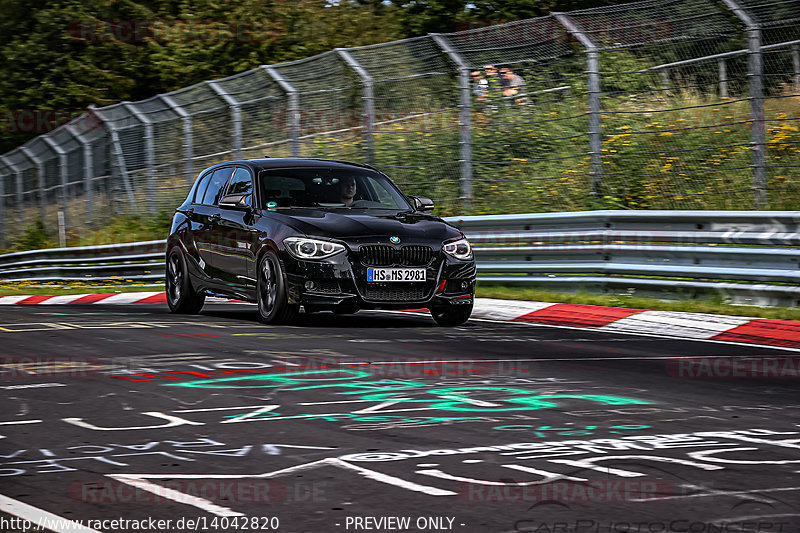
(64, 55)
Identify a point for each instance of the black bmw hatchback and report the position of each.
(321, 234)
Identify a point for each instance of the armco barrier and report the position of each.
(682, 104)
(744, 256)
(107, 262)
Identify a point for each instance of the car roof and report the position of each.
(284, 162)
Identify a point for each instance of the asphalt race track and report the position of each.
(385, 422)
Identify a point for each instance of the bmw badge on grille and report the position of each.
(395, 240)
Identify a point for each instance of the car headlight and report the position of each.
(305, 248)
(460, 249)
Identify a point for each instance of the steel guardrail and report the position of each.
(106, 262)
(743, 256)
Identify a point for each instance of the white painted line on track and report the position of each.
(607, 332)
(176, 496)
(331, 461)
(342, 401)
(713, 493)
(542, 360)
(219, 408)
(40, 517)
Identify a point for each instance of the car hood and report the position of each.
(360, 227)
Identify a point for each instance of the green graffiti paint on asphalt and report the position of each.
(367, 386)
(529, 399)
(288, 378)
(340, 417)
(455, 398)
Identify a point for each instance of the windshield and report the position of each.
(334, 188)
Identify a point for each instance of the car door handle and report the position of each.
(215, 217)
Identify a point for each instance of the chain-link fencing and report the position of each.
(660, 104)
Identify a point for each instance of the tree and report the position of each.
(59, 57)
(48, 67)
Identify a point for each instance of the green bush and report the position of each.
(33, 237)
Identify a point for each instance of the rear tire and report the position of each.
(451, 315)
(273, 306)
(181, 297)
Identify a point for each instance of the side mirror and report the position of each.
(235, 201)
(422, 203)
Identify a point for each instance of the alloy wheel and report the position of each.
(269, 288)
(175, 278)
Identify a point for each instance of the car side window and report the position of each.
(200, 188)
(384, 196)
(241, 183)
(217, 185)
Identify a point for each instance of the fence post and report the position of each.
(188, 141)
(117, 157)
(236, 117)
(18, 176)
(722, 68)
(593, 89)
(64, 172)
(796, 64)
(294, 106)
(758, 135)
(464, 116)
(40, 170)
(149, 152)
(88, 170)
(369, 102)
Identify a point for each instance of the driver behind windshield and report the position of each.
(347, 190)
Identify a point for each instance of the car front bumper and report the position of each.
(341, 281)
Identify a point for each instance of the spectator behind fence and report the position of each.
(480, 86)
(494, 86)
(515, 87)
(493, 77)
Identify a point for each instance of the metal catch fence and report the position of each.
(660, 104)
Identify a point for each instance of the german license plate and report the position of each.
(395, 274)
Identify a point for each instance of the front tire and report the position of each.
(181, 297)
(273, 306)
(451, 315)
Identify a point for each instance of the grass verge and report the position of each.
(33, 289)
